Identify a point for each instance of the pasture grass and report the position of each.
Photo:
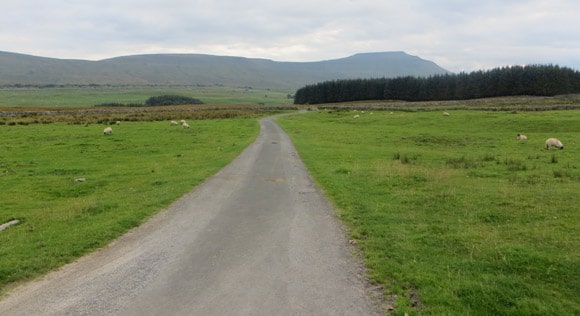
(453, 214)
(138, 170)
(92, 96)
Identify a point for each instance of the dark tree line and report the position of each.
(171, 100)
(161, 100)
(535, 80)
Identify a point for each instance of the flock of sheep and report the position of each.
(109, 130)
(550, 142)
(183, 123)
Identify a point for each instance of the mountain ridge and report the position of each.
(205, 69)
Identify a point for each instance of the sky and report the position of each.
(458, 35)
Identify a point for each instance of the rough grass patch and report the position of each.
(462, 162)
(515, 164)
(128, 177)
(488, 228)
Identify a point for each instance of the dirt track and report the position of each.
(257, 238)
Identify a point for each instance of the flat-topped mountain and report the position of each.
(200, 69)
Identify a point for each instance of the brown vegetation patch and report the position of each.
(516, 103)
(109, 115)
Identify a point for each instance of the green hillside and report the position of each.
(199, 69)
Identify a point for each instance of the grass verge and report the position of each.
(130, 175)
(453, 214)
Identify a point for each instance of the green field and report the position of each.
(453, 214)
(86, 96)
(135, 172)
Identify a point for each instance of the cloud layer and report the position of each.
(457, 35)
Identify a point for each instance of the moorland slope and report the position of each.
(200, 69)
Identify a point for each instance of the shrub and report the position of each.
(171, 100)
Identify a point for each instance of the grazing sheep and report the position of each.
(445, 114)
(108, 131)
(185, 125)
(118, 123)
(522, 137)
(554, 142)
(182, 121)
(356, 116)
(173, 123)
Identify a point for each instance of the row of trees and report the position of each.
(535, 80)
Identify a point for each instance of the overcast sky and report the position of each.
(459, 35)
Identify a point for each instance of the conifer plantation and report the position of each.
(535, 80)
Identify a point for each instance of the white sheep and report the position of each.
(8, 224)
(445, 114)
(108, 131)
(522, 137)
(185, 125)
(118, 123)
(173, 123)
(554, 142)
(182, 121)
(356, 116)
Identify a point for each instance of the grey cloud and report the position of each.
(459, 35)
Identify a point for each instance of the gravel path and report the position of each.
(258, 238)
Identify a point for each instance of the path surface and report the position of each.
(257, 238)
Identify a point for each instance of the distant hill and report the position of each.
(199, 69)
